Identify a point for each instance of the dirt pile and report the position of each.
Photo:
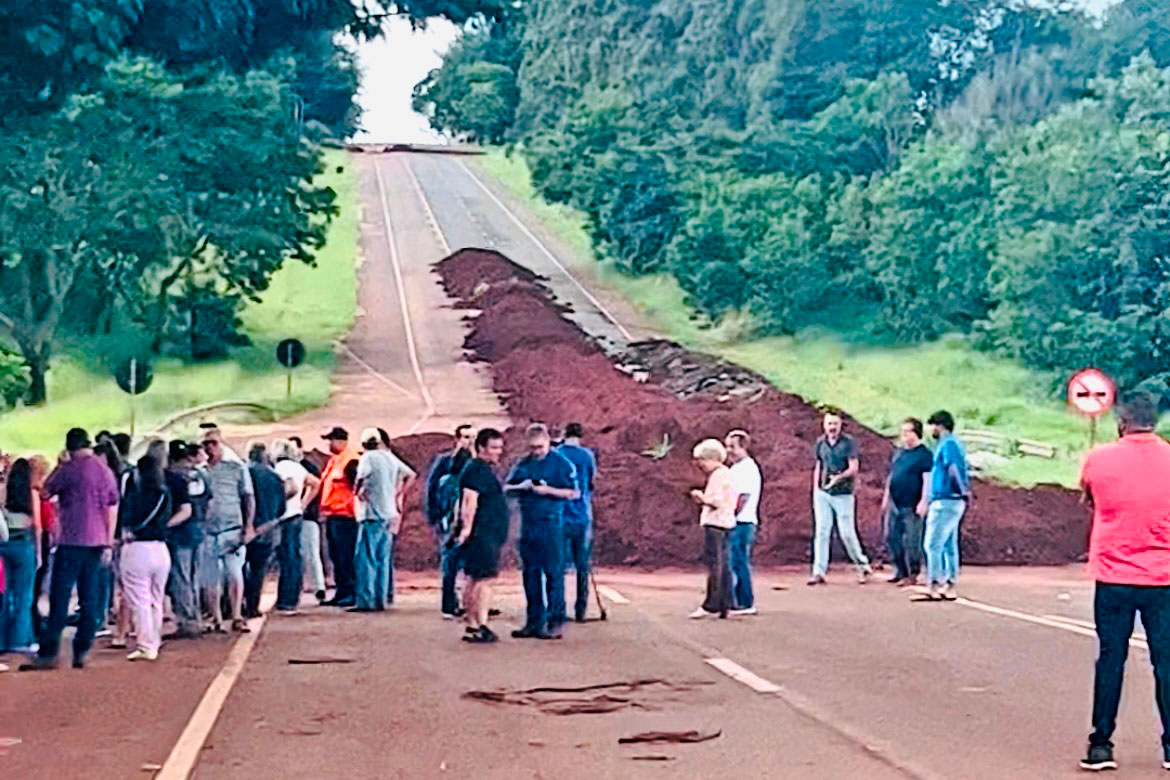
(644, 417)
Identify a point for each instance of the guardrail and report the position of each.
(1006, 445)
(218, 406)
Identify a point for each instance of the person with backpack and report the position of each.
(442, 502)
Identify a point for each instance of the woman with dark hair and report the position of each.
(112, 598)
(22, 520)
(145, 513)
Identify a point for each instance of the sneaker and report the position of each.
(896, 580)
(3, 668)
(1099, 758)
(287, 611)
(38, 664)
(816, 579)
(453, 615)
(142, 654)
(525, 633)
(699, 614)
(103, 632)
(745, 611)
(1166, 757)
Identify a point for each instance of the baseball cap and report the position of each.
(370, 434)
(338, 433)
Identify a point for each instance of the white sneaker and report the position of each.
(142, 654)
(699, 614)
(744, 611)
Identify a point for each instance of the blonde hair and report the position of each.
(710, 449)
(283, 449)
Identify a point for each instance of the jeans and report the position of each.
(1114, 607)
(828, 509)
(145, 566)
(288, 588)
(16, 616)
(83, 567)
(311, 553)
(942, 540)
(542, 549)
(259, 558)
(904, 540)
(182, 587)
(449, 570)
(579, 550)
(743, 536)
(342, 542)
(390, 569)
(372, 564)
(715, 555)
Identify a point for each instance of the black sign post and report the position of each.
(134, 376)
(290, 353)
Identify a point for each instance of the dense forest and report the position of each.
(158, 163)
(904, 168)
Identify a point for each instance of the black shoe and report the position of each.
(74, 619)
(38, 664)
(493, 613)
(481, 636)
(579, 618)
(346, 603)
(321, 597)
(551, 633)
(1100, 758)
(526, 633)
(360, 609)
(79, 662)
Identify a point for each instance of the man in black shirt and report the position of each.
(903, 505)
(271, 500)
(485, 529)
(837, 463)
(187, 486)
(442, 499)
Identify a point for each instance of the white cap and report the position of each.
(370, 434)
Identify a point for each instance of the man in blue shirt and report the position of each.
(950, 494)
(544, 481)
(579, 514)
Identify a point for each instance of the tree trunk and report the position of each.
(37, 359)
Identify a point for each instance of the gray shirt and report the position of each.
(379, 472)
(834, 459)
(230, 483)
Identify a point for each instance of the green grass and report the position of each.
(315, 304)
(878, 385)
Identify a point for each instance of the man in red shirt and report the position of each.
(1127, 483)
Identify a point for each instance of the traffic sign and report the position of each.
(290, 353)
(134, 376)
(1091, 393)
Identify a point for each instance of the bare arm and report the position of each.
(816, 476)
(290, 488)
(924, 502)
(467, 507)
(180, 517)
(312, 487)
(568, 494)
(740, 502)
(111, 523)
(249, 512)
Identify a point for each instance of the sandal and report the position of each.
(240, 625)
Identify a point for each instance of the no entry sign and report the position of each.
(1090, 392)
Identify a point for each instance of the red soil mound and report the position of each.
(545, 368)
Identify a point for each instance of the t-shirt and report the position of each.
(720, 495)
(906, 471)
(1129, 481)
(230, 483)
(270, 501)
(943, 485)
(580, 509)
(746, 480)
(491, 512)
(379, 472)
(85, 489)
(291, 470)
(834, 459)
(145, 512)
(553, 470)
(188, 486)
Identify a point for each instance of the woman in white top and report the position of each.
(717, 518)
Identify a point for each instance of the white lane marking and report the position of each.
(1138, 635)
(1041, 621)
(376, 374)
(185, 754)
(411, 348)
(427, 208)
(739, 674)
(612, 594)
(531, 237)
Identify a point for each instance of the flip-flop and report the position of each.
(927, 597)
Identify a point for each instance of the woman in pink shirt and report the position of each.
(717, 518)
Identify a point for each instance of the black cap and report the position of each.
(338, 433)
(177, 450)
(76, 439)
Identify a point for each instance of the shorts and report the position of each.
(221, 559)
(480, 558)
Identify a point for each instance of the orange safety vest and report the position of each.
(336, 494)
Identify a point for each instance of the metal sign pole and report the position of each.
(133, 391)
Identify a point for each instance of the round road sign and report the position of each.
(1091, 392)
(134, 376)
(290, 353)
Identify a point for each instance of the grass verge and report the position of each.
(315, 304)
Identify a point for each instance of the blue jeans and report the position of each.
(449, 569)
(288, 587)
(371, 563)
(83, 567)
(542, 548)
(942, 540)
(390, 569)
(742, 539)
(182, 587)
(904, 541)
(20, 568)
(579, 551)
(827, 510)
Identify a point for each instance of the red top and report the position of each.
(1129, 481)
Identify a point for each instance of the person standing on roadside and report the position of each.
(187, 485)
(717, 501)
(88, 500)
(311, 525)
(271, 504)
(301, 488)
(229, 525)
(442, 503)
(337, 508)
(902, 503)
(1127, 485)
(381, 485)
(20, 516)
(836, 468)
(482, 531)
(544, 481)
(950, 495)
(746, 479)
(579, 514)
